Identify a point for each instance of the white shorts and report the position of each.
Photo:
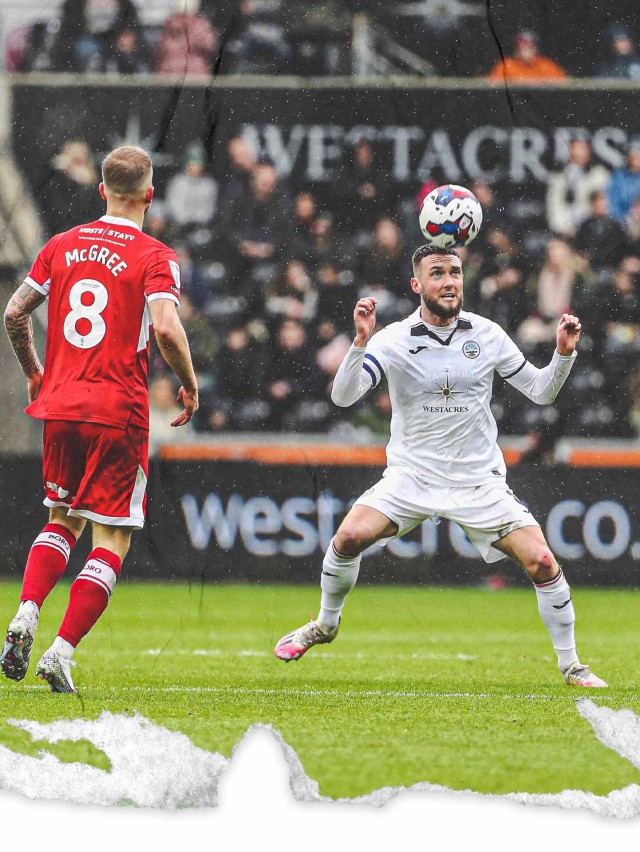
(486, 513)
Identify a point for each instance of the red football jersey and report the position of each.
(100, 278)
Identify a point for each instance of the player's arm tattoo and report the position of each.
(17, 321)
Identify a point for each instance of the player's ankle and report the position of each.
(328, 619)
(64, 648)
(567, 658)
(30, 609)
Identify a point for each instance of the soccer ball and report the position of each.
(451, 216)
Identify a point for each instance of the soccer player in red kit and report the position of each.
(107, 283)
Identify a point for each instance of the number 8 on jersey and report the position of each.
(84, 326)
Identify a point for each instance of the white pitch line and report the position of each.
(359, 655)
(323, 693)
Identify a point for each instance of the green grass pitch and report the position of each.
(452, 686)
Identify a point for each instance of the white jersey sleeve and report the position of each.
(539, 385)
(362, 369)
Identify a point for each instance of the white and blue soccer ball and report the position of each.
(451, 216)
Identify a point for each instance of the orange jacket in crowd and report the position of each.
(514, 69)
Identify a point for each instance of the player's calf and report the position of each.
(89, 594)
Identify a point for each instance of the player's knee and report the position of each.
(348, 541)
(541, 565)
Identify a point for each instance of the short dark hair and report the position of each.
(429, 249)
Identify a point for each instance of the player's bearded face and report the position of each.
(441, 287)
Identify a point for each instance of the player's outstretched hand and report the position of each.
(190, 402)
(364, 317)
(34, 383)
(568, 334)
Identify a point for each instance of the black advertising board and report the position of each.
(511, 137)
(245, 521)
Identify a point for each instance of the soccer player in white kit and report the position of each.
(443, 459)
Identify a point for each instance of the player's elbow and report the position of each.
(166, 328)
(546, 399)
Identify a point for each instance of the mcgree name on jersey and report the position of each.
(98, 254)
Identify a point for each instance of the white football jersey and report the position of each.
(442, 427)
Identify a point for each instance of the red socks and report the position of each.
(47, 560)
(90, 594)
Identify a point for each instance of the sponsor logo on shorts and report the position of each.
(470, 349)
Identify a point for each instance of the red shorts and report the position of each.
(98, 472)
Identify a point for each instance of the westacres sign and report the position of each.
(509, 137)
(242, 521)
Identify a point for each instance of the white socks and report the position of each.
(339, 575)
(64, 648)
(556, 610)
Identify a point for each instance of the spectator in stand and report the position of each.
(163, 408)
(326, 246)
(336, 289)
(70, 195)
(503, 297)
(564, 282)
(261, 45)
(127, 55)
(625, 61)
(293, 376)
(494, 250)
(188, 43)
(366, 188)
(485, 195)
(37, 53)
(384, 264)
(304, 215)
(292, 295)
(569, 190)
(202, 340)
(260, 227)
(624, 187)
(332, 349)
(192, 194)
(527, 64)
(600, 238)
(195, 282)
(158, 224)
(239, 398)
(619, 311)
(235, 182)
(88, 29)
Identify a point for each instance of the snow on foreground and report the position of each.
(154, 767)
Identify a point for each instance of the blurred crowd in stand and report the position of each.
(330, 37)
(270, 277)
(271, 270)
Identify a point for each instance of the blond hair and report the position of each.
(127, 170)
